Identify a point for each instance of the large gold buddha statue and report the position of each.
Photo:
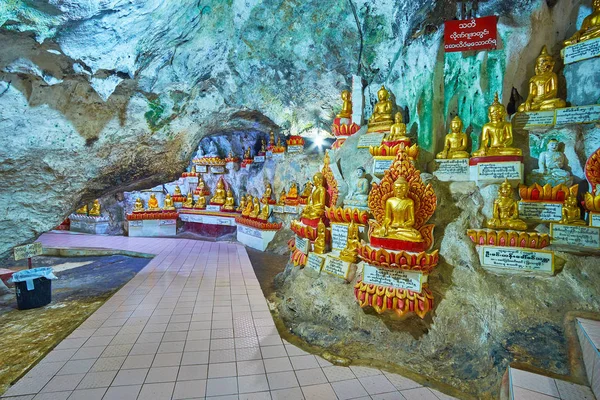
(399, 215)
(455, 143)
(543, 86)
(320, 244)
(138, 206)
(189, 201)
(220, 195)
(398, 130)
(590, 28)
(571, 214)
(497, 135)
(229, 201)
(350, 253)
(255, 208)
(381, 120)
(95, 210)
(168, 203)
(83, 210)
(346, 111)
(316, 201)
(505, 214)
(153, 203)
(265, 211)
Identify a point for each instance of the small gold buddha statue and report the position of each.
(497, 135)
(267, 195)
(307, 190)
(255, 208)
(242, 204)
(455, 143)
(189, 201)
(543, 86)
(247, 154)
(571, 214)
(153, 203)
(200, 203)
(282, 198)
(95, 210)
(592, 199)
(399, 216)
(138, 206)
(168, 203)
(398, 130)
(264, 212)
(316, 201)
(271, 139)
(381, 119)
(293, 192)
(350, 253)
(193, 169)
(249, 206)
(229, 201)
(505, 214)
(83, 210)
(263, 146)
(346, 111)
(177, 191)
(201, 188)
(320, 244)
(590, 28)
(220, 195)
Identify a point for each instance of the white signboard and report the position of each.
(315, 262)
(578, 115)
(201, 168)
(269, 154)
(296, 148)
(575, 235)
(516, 259)
(452, 170)
(302, 244)
(259, 159)
(397, 278)
(582, 51)
(335, 266)
(339, 236)
(540, 211)
(499, 170)
(525, 120)
(370, 139)
(594, 219)
(27, 251)
(278, 156)
(380, 166)
(290, 209)
(217, 169)
(278, 209)
(213, 208)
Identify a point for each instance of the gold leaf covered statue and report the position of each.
(242, 205)
(201, 189)
(346, 111)
(168, 203)
(543, 86)
(153, 203)
(590, 28)
(263, 146)
(307, 189)
(83, 210)
(399, 218)
(229, 201)
(497, 134)
(571, 214)
(316, 201)
(178, 191)
(397, 130)
(249, 206)
(267, 195)
(264, 212)
(381, 119)
(220, 195)
(592, 199)
(95, 210)
(293, 192)
(200, 203)
(271, 138)
(350, 253)
(320, 244)
(255, 208)
(455, 143)
(505, 214)
(282, 198)
(189, 201)
(138, 206)
(247, 154)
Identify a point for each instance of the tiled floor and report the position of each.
(588, 332)
(192, 324)
(530, 386)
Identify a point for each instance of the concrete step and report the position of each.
(589, 339)
(524, 385)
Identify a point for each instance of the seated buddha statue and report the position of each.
(307, 190)
(455, 143)
(255, 208)
(590, 28)
(200, 203)
(505, 214)
(399, 220)
(381, 119)
(282, 198)
(229, 201)
(320, 244)
(551, 164)
(83, 210)
(189, 201)
(497, 134)
(293, 192)
(360, 195)
(138, 206)
(249, 206)
(398, 130)
(168, 203)
(263, 146)
(271, 139)
(153, 203)
(95, 210)
(242, 204)
(201, 188)
(267, 195)
(350, 253)
(177, 191)
(316, 201)
(265, 211)
(592, 199)
(543, 86)
(346, 111)
(571, 214)
(247, 154)
(220, 195)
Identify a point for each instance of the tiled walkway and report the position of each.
(192, 324)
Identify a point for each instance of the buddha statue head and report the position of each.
(544, 62)
(398, 118)
(229, 193)
(496, 112)
(220, 184)
(193, 169)
(552, 145)
(383, 94)
(456, 125)
(401, 187)
(177, 190)
(318, 179)
(346, 95)
(505, 189)
(360, 172)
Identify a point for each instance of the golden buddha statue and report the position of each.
(138, 206)
(247, 154)
(83, 210)
(193, 169)
(200, 203)
(307, 190)
(592, 199)
(456, 141)
(590, 28)
(497, 135)
(543, 86)
(279, 142)
(350, 253)
(229, 201)
(189, 201)
(399, 215)
(255, 208)
(320, 244)
(153, 203)
(398, 130)
(282, 198)
(177, 191)
(263, 146)
(267, 195)
(316, 201)
(346, 111)
(249, 206)
(242, 204)
(505, 214)
(381, 119)
(264, 212)
(95, 210)
(571, 214)
(293, 192)
(271, 138)
(220, 195)
(168, 204)
(201, 188)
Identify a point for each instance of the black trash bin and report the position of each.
(38, 297)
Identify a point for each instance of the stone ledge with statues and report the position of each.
(210, 161)
(544, 203)
(508, 238)
(89, 221)
(343, 127)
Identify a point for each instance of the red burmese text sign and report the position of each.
(470, 34)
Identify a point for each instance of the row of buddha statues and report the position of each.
(94, 211)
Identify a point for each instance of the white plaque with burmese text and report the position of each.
(296, 148)
(213, 208)
(259, 159)
(526, 120)
(499, 170)
(575, 235)
(456, 170)
(582, 51)
(278, 209)
(339, 236)
(302, 244)
(269, 154)
(370, 139)
(217, 169)
(278, 156)
(540, 211)
(594, 219)
(519, 259)
(337, 267)
(315, 262)
(201, 168)
(381, 165)
(578, 115)
(396, 278)
(290, 209)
